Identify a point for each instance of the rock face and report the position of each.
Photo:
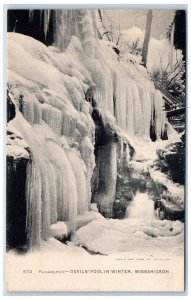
(16, 202)
(168, 196)
(168, 178)
(166, 210)
(124, 193)
(112, 154)
(172, 161)
(107, 154)
(123, 198)
(11, 111)
(18, 158)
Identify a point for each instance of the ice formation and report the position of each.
(58, 182)
(49, 86)
(140, 233)
(141, 207)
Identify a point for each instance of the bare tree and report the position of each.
(147, 37)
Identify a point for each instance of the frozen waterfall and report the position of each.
(122, 89)
(48, 88)
(141, 207)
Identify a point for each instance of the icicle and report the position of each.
(121, 101)
(67, 195)
(14, 166)
(159, 113)
(46, 21)
(37, 113)
(33, 197)
(53, 193)
(41, 12)
(45, 201)
(52, 116)
(87, 153)
(68, 124)
(130, 108)
(79, 171)
(28, 110)
(145, 102)
(31, 14)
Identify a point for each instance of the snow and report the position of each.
(146, 150)
(131, 236)
(174, 189)
(159, 52)
(16, 145)
(142, 162)
(93, 207)
(59, 230)
(17, 151)
(141, 233)
(130, 35)
(87, 217)
(72, 268)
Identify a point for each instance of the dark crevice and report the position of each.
(114, 105)
(16, 203)
(18, 20)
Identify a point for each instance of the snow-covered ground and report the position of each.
(139, 234)
(121, 249)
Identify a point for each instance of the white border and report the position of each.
(2, 110)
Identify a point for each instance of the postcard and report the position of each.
(95, 150)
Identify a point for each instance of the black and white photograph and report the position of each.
(95, 149)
